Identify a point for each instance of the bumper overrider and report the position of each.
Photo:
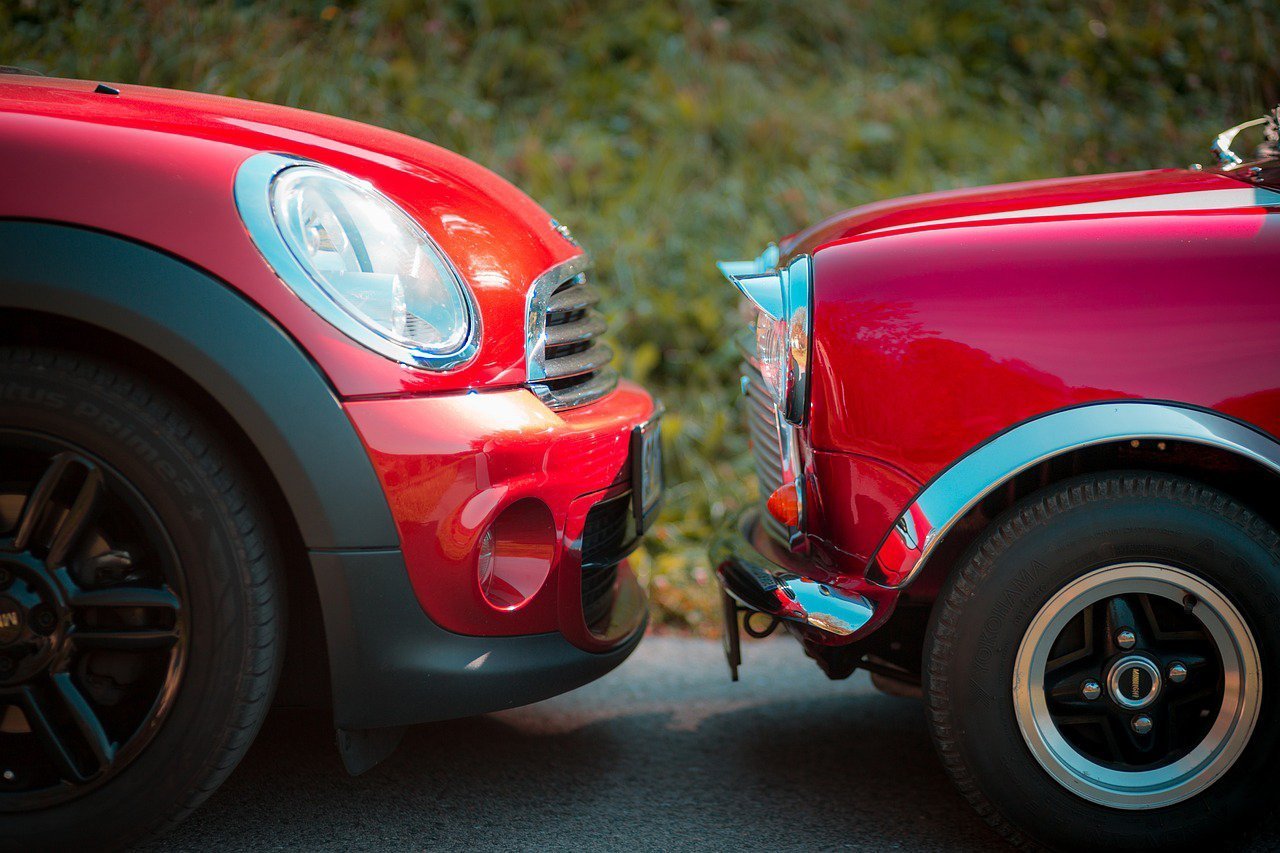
(758, 574)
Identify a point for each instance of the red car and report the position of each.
(1018, 453)
(284, 397)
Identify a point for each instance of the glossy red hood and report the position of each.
(158, 166)
(1161, 190)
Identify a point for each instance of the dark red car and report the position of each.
(284, 397)
(1017, 449)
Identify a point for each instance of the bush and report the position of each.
(671, 134)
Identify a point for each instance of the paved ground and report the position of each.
(665, 753)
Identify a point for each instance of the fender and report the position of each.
(920, 528)
(246, 362)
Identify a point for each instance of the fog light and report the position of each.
(784, 505)
(515, 555)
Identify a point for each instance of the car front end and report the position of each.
(407, 350)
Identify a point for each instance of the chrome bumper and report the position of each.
(754, 580)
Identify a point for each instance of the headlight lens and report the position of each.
(371, 259)
(358, 261)
(782, 343)
(771, 351)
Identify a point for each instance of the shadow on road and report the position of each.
(664, 754)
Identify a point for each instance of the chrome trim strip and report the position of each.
(798, 294)
(955, 491)
(535, 311)
(252, 193)
(1224, 199)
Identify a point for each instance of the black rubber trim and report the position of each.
(251, 366)
(393, 666)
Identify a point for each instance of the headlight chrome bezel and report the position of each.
(253, 192)
(782, 297)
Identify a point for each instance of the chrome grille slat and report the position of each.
(579, 363)
(574, 298)
(766, 445)
(587, 327)
(568, 363)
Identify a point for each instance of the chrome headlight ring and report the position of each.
(330, 292)
(784, 326)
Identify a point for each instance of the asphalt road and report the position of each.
(663, 754)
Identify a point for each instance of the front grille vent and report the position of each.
(568, 363)
(607, 538)
(766, 443)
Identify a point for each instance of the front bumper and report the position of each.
(393, 666)
(760, 575)
(450, 465)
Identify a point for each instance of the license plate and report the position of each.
(646, 471)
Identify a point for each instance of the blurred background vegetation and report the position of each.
(671, 134)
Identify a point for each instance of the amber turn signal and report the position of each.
(784, 505)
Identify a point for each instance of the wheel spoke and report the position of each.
(126, 639)
(37, 502)
(1121, 616)
(126, 596)
(77, 519)
(68, 727)
(39, 508)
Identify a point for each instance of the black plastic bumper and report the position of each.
(392, 666)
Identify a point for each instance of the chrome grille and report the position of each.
(568, 363)
(766, 444)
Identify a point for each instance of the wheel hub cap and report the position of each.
(13, 621)
(1143, 740)
(1134, 682)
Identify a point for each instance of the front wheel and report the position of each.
(1095, 668)
(140, 626)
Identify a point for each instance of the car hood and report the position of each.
(1158, 191)
(152, 163)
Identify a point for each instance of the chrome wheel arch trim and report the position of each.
(945, 500)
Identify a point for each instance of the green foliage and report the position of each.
(671, 134)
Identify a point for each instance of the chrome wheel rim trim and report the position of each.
(1192, 773)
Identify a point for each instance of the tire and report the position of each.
(1016, 628)
(192, 654)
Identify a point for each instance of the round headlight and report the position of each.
(358, 260)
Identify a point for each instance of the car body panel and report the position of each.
(949, 324)
(158, 167)
(391, 472)
(988, 323)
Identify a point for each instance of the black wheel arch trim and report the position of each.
(243, 359)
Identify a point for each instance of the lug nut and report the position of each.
(1090, 689)
(45, 621)
(9, 775)
(1142, 725)
(1125, 638)
(1177, 672)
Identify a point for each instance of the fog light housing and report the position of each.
(515, 554)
